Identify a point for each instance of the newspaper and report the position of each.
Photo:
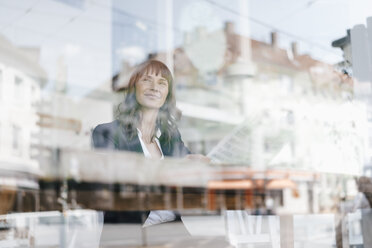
(244, 144)
(236, 147)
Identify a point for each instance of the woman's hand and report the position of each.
(198, 157)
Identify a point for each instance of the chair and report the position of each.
(243, 229)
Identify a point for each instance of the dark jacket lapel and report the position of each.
(125, 141)
(134, 145)
(165, 146)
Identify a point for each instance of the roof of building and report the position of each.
(261, 53)
(342, 41)
(17, 58)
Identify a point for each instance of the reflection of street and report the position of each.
(314, 230)
(233, 228)
(164, 235)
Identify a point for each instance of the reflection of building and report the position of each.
(66, 121)
(344, 44)
(283, 93)
(36, 121)
(303, 118)
(21, 80)
(284, 86)
(357, 54)
(357, 51)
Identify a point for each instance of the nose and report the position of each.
(154, 87)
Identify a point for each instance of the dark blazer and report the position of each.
(113, 136)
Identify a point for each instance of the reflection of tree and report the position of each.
(278, 144)
(331, 139)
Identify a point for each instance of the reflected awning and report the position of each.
(231, 184)
(284, 183)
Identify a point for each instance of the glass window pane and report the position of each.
(230, 122)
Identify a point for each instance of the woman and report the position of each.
(146, 124)
(147, 118)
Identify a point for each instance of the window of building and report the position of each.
(17, 139)
(1, 83)
(18, 88)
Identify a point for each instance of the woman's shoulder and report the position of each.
(113, 135)
(103, 134)
(106, 127)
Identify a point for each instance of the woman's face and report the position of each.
(151, 91)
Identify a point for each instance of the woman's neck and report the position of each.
(147, 125)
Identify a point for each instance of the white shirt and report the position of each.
(155, 216)
(144, 148)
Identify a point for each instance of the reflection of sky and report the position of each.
(89, 33)
(138, 36)
(314, 24)
(78, 37)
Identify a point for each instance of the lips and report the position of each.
(151, 95)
